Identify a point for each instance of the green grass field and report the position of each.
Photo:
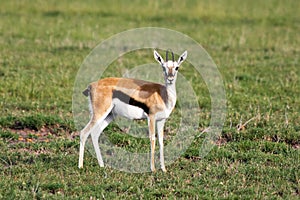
(256, 45)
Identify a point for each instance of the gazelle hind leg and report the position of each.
(97, 116)
(96, 134)
(84, 133)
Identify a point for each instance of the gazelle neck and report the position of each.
(172, 95)
(171, 87)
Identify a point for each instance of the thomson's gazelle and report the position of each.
(133, 99)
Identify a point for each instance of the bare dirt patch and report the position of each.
(44, 134)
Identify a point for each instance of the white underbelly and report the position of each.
(125, 110)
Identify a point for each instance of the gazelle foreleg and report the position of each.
(151, 124)
(160, 132)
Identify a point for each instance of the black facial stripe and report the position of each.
(128, 100)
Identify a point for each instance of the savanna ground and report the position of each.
(256, 45)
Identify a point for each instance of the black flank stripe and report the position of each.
(127, 99)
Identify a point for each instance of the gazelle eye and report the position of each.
(176, 68)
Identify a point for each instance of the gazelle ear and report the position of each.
(158, 58)
(182, 58)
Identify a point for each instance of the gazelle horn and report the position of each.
(167, 53)
(172, 56)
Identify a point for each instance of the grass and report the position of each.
(254, 43)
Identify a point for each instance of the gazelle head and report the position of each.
(170, 67)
